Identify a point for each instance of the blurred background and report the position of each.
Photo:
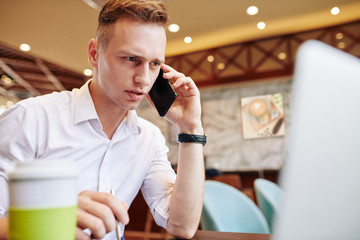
(236, 52)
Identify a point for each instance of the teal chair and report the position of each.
(227, 209)
(268, 195)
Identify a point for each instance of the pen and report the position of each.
(118, 230)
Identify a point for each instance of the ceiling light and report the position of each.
(335, 11)
(210, 58)
(282, 56)
(339, 36)
(88, 72)
(261, 25)
(341, 45)
(6, 80)
(187, 39)
(221, 66)
(174, 28)
(9, 103)
(25, 47)
(96, 4)
(252, 10)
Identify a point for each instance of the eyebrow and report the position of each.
(137, 55)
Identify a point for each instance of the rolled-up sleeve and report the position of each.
(159, 183)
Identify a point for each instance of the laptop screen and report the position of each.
(321, 174)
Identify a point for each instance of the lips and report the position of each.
(135, 95)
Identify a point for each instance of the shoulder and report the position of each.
(150, 131)
(54, 103)
(47, 100)
(40, 106)
(148, 126)
(151, 136)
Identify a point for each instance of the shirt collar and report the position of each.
(85, 110)
(132, 122)
(84, 106)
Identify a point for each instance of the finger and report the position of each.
(113, 203)
(167, 68)
(171, 73)
(173, 76)
(99, 210)
(186, 87)
(96, 225)
(125, 206)
(184, 91)
(122, 213)
(184, 82)
(80, 235)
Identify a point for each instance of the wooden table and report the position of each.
(210, 235)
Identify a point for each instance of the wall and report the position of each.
(227, 150)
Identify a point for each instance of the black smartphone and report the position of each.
(162, 94)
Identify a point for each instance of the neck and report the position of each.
(110, 115)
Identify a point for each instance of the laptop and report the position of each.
(321, 173)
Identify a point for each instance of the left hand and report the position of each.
(185, 112)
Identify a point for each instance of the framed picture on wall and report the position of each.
(263, 116)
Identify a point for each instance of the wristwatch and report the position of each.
(191, 138)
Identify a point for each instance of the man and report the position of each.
(96, 127)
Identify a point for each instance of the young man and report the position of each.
(96, 127)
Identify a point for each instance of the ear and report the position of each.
(93, 53)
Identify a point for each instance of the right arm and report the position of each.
(17, 140)
(12, 147)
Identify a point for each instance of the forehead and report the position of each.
(148, 39)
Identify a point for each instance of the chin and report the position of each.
(133, 106)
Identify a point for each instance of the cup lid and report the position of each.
(43, 169)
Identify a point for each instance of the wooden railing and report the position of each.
(260, 59)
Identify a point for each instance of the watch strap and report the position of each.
(191, 138)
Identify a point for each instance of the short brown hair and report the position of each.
(145, 11)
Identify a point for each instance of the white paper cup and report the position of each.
(43, 200)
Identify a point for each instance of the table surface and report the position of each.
(210, 235)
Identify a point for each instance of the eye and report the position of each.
(155, 64)
(131, 59)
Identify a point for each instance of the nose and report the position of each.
(143, 75)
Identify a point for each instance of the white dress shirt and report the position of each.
(65, 125)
